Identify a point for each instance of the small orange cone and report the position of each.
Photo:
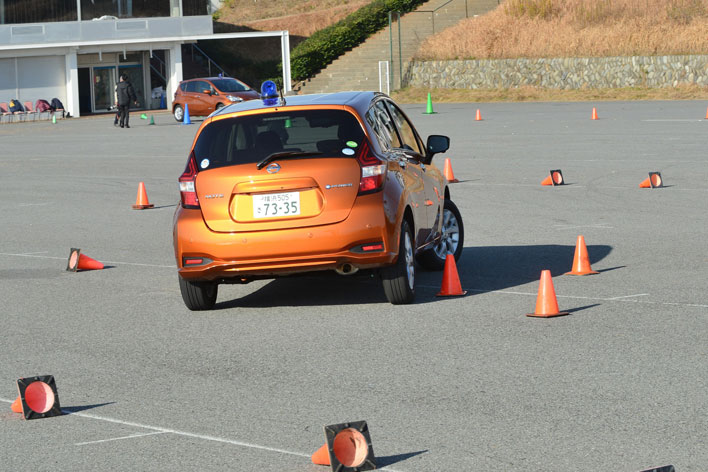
(78, 261)
(141, 202)
(653, 181)
(451, 280)
(594, 114)
(449, 175)
(555, 177)
(38, 397)
(348, 448)
(546, 303)
(478, 117)
(17, 405)
(581, 261)
(706, 113)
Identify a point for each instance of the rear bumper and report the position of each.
(283, 252)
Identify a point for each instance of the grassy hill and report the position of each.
(576, 28)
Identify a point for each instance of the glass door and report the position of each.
(104, 86)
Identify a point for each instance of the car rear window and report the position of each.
(251, 138)
(230, 85)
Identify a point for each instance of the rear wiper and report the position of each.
(284, 155)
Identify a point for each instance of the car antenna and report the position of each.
(282, 97)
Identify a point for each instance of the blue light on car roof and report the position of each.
(269, 93)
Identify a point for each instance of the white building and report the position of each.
(74, 49)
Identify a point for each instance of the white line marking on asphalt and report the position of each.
(31, 204)
(139, 435)
(613, 299)
(29, 254)
(629, 296)
(204, 437)
(675, 120)
(32, 253)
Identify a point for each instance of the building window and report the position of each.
(195, 7)
(91, 9)
(37, 11)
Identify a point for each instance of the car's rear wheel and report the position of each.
(179, 113)
(451, 239)
(399, 279)
(198, 295)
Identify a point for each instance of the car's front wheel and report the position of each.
(198, 295)
(451, 239)
(219, 106)
(399, 279)
(178, 113)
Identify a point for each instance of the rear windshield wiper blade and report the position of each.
(285, 155)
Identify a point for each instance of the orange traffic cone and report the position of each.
(78, 261)
(348, 447)
(653, 181)
(706, 113)
(546, 303)
(451, 280)
(555, 177)
(141, 202)
(449, 175)
(17, 405)
(594, 114)
(38, 397)
(478, 117)
(581, 261)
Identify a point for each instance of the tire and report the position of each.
(399, 279)
(178, 113)
(219, 106)
(198, 295)
(451, 240)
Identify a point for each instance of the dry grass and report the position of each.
(576, 28)
(304, 24)
(299, 17)
(533, 94)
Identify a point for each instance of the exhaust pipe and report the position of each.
(346, 269)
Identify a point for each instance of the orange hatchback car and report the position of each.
(338, 182)
(203, 96)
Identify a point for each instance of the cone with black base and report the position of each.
(546, 303)
(451, 286)
(581, 260)
(78, 261)
(653, 181)
(348, 448)
(141, 201)
(449, 174)
(555, 177)
(38, 397)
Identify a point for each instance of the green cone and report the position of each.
(429, 108)
(143, 116)
(152, 120)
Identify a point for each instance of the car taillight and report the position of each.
(373, 171)
(187, 189)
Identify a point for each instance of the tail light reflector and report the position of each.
(373, 171)
(187, 189)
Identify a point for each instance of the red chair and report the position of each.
(29, 110)
(5, 111)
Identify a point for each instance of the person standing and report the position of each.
(126, 94)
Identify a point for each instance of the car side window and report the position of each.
(408, 135)
(192, 86)
(383, 126)
(183, 86)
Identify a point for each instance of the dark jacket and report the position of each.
(126, 94)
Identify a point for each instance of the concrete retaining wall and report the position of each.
(560, 73)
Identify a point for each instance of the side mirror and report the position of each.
(208, 92)
(437, 144)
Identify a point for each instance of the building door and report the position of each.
(135, 76)
(104, 86)
(85, 103)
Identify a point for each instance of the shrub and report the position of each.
(324, 46)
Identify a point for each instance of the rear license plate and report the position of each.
(273, 205)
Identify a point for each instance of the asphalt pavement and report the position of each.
(446, 384)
